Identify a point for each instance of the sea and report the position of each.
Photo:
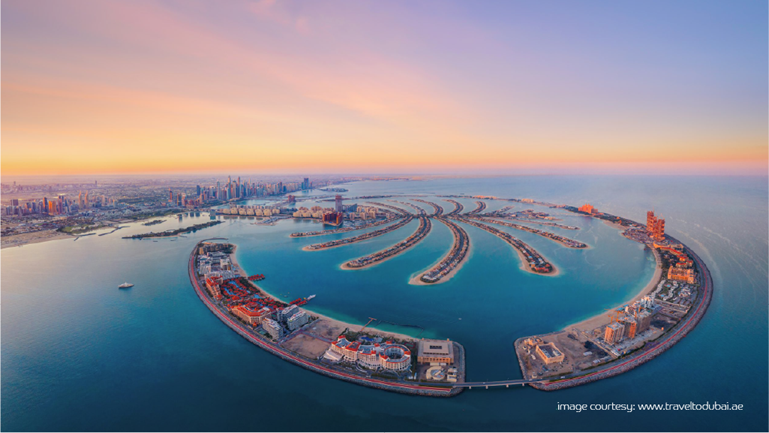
(80, 355)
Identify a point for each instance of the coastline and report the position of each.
(601, 319)
(344, 266)
(416, 279)
(669, 340)
(330, 321)
(417, 282)
(405, 388)
(525, 265)
(47, 235)
(558, 241)
(390, 227)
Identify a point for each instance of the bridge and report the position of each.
(505, 383)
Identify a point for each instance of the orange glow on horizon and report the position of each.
(145, 87)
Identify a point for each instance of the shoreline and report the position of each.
(389, 229)
(524, 263)
(558, 241)
(623, 363)
(343, 230)
(240, 271)
(345, 267)
(681, 331)
(405, 388)
(417, 279)
(52, 235)
(599, 319)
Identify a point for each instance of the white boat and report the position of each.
(125, 285)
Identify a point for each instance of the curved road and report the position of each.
(243, 332)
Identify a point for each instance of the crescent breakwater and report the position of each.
(536, 263)
(451, 263)
(566, 242)
(653, 338)
(648, 351)
(359, 238)
(259, 341)
(425, 225)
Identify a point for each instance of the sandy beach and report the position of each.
(559, 242)
(417, 282)
(329, 327)
(33, 238)
(602, 319)
(415, 279)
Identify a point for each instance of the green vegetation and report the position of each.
(168, 233)
(146, 215)
(81, 228)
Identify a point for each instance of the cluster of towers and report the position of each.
(235, 189)
(655, 226)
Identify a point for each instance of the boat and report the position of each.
(310, 297)
(125, 285)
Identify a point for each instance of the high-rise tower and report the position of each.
(338, 203)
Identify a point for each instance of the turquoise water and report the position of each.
(78, 354)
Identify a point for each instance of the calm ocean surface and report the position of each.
(79, 354)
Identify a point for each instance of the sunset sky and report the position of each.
(502, 87)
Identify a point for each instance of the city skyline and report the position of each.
(435, 88)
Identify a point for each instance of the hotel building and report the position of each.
(655, 226)
(681, 274)
(388, 356)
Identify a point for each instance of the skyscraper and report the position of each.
(338, 203)
(655, 226)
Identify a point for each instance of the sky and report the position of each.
(434, 87)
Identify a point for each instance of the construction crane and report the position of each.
(613, 315)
